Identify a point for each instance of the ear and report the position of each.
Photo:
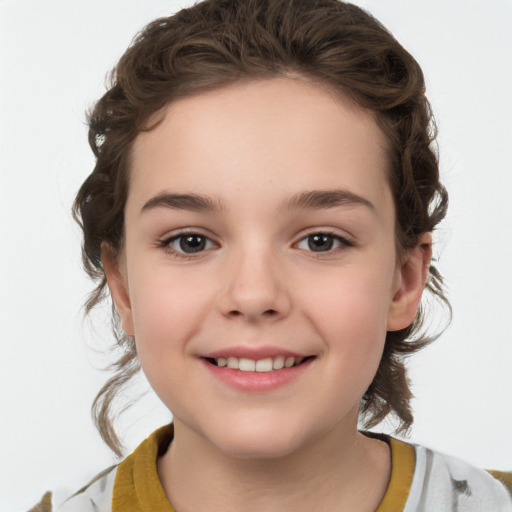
(115, 273)
(410, 280)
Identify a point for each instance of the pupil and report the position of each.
(320, 242)
(192, 243)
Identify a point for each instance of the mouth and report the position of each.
(266, 365)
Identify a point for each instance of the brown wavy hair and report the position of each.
(219, 42)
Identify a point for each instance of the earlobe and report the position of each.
(410, 282)
(118, 285)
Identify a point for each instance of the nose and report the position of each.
(254, 287)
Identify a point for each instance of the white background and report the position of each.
(53, 59)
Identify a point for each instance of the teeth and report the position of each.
(262, 365)
(278, 363)
(247, 365)
(289, 361)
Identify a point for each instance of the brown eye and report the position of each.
(320, 242)
(192, 243)
(323, 242)
(189, 243)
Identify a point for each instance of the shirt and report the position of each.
(422, 480)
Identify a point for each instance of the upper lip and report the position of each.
(255, 353)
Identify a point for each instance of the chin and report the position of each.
(258, 440)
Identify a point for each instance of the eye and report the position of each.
(322, 242)
(189, 243)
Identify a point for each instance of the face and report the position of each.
(259, 274)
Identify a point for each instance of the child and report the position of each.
(261, 210)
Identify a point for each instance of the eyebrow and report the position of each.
(189, 202)
(315, 199)
(320, 199)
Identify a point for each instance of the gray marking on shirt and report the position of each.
(460, 489)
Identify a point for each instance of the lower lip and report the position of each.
(257, 382)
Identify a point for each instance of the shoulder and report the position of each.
(505, 477)
(96, 496)
(444, 483)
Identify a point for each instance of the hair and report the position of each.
(220, 42)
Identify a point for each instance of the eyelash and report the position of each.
(342, 241)
(166, 244)
(208, 244)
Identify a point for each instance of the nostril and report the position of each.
(268, 313)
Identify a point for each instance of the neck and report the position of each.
(341, 470)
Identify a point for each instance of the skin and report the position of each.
(249, 148)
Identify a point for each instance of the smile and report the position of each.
(268, 364)
(256, 369)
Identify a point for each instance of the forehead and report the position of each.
(260, 138)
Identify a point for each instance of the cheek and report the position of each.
(167, 310)
(356, 301)
(350, 312)
(167, 314)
